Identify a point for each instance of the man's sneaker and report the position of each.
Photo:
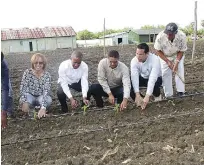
(159, 98)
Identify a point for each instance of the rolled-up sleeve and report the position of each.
(134, 75)
(157, 44)
(63, 81)
(102, 78)
(46, 90)
(24, 87)
(84, 81)
(183, 43)
(126, 82)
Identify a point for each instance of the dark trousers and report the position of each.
(62, 96)
(144, 82)
(97, 92)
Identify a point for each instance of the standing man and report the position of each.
(145, 72)
(170, 45)
(6, 93)
(114, 81)
(73, 73)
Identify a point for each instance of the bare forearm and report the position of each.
(179, 56)
(162, 56)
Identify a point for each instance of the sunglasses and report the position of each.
(40, 63)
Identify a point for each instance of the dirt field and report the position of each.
(170, 132)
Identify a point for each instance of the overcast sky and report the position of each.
(89, 14)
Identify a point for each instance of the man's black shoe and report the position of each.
(64, 109)
(180, 94)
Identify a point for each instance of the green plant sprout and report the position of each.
(35, 115)
(116, 108)
(172, 102)
(84, 108)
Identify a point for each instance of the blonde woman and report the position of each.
(35, 86)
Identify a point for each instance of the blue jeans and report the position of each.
(37, 100)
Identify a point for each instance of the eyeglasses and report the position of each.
(40, 63)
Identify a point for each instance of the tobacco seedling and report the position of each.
(84, 108)
(172, 102)
(116, 108)
(35, 115)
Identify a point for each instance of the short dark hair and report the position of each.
(2, 56)
(114, 54)
(77, 54)
(143, 46)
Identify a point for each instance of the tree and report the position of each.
(200, 32)
(98, 34)
(85, 35)
(161, 26)
(153, 27)
(188, 30)
(147, 27)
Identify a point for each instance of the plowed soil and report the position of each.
(169, 132)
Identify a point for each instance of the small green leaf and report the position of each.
(116, 108)
(84, 108)
(35, 115)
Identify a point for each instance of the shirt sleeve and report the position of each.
(5, 85)
(183, 43)
(84, 81)
(134, 75)
(157, 44)
(154, 74)
(102, 77)
(46, 90)
(126, 82)
(24, 86)
(63, 81)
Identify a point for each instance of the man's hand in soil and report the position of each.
(145, 101)
(138, 99)
(3, 119)
(111, 98)
(42, 113)
(123, 105)
(170, 64)
(86, 102)
(73, 103)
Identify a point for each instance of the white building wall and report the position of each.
(38, 44)
(108, 42)
(124, 39)
(113, 41)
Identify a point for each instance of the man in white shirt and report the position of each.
(145, 72)
(114, 81)
(171, 45)
(73, 73)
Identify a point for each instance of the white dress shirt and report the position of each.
(69, 75)
(150, 69)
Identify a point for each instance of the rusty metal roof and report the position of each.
(46, 32)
